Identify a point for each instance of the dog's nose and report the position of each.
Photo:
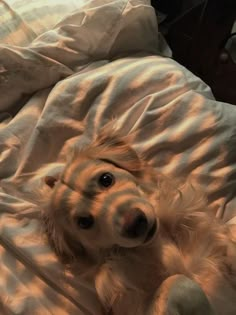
(135, 223)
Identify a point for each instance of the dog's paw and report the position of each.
(179, 295)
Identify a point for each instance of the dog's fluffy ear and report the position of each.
(66, 249)
(56, 239)
(110, 146)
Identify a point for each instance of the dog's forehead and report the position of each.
(83, 170)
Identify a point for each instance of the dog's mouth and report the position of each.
(151, 232)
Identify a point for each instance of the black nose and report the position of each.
(135, 223)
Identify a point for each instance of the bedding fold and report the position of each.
(101, 62)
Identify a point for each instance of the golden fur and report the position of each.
(188, 267)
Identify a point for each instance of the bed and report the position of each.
(67, 68)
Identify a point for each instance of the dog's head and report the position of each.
(102, 199)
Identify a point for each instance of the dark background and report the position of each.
(198, 32)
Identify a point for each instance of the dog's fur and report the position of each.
(190, 260)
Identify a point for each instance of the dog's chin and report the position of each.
(129, 244)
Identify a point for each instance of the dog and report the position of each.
(151, 248)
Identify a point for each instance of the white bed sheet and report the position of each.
(100, 62)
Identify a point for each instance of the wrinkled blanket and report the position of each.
(101, 62)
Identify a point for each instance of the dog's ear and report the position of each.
(56, 239)
(110, 146)
(66, 249)
(48, 174)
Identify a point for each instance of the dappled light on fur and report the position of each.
(182, 238)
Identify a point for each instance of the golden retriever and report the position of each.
(152, 249)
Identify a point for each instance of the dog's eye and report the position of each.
(106, 180)
(85, 222)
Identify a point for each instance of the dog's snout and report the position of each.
(135, 223)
